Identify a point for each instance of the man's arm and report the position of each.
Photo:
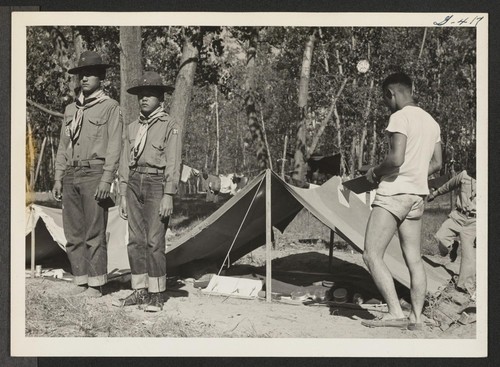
(112, 157)
(452, 184)
(61, 161)
(436, 160)
(173, 147)
(123, 172)
(115, 134)
(394, 159)
(172, 169)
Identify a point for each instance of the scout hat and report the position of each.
(149, 79)
(89, 59)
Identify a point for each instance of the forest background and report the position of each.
(248, 98)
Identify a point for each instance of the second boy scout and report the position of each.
(149, 175)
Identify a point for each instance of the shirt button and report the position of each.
(77, 143)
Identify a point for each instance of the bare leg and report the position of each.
(409, 237)
(379, 231)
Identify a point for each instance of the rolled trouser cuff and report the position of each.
(97, 281)
(157, 284)
(81, 279)
(139, 281)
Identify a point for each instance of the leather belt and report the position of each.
(86, 163)
(150, 170)
(468, 214)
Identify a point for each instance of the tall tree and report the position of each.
(301, 152)
(185, 77)
(250, 99)
(130, 70)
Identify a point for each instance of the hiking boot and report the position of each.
(453, 252)
(155, 303)
(137, 297)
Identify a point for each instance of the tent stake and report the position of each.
(268, 235)
(33, 225)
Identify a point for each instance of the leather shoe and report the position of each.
(155, 303)
(137, 297)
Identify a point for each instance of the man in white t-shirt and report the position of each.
(414, 153)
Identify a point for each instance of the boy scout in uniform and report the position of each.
(149, 176)
(86, 162)
(461, 223)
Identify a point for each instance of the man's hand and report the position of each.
(123, 207)
(166, 206)
(431, 196)
(102, 191)
(57, 190)
(370, 176)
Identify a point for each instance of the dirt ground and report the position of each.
(205, 315)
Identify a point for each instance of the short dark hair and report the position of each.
(397, 78)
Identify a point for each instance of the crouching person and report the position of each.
(149, 174)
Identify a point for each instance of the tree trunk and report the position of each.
(130, 70)
(374, 143)
(217, 147)
(40, 156)
(209, 141)
(265, 140)
(253, 123)
(339, 63)
(31, 159)
(354, 154)
(74, 83)
(301, 153)
(339, 140)
(184, 84)
(53, 155)
(283, 160)
(423, 43)
(323, 52)
(242, 143)
(322, 127)
(364, 132)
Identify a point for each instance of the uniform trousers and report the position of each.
(84, 223)
(459, 225)
(146, 247)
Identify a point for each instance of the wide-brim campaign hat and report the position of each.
(89, 59)
(149, 79)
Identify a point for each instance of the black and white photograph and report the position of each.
(230, 184)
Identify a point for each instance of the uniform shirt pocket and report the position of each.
(159, 153)
(97, 126)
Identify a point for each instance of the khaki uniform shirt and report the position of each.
(100, 138)
(466, 198)
(162, 151)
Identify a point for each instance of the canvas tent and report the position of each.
(51, 218)
(239, 226)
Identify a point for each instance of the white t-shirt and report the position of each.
(422, 133)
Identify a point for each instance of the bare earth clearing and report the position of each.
(190, 313)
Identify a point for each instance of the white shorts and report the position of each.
(402, 206)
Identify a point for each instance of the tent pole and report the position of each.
(330, 255)
(268, 235)
(33, 225)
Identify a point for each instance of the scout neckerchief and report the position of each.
(142, 133)
(82, 104)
